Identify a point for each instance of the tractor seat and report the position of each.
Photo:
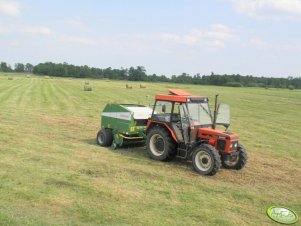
(178, 132)
(175, 118)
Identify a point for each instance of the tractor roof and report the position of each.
(179, 92)
(178, 95)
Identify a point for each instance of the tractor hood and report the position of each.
(208, 132)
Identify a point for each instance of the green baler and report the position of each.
(123, 123)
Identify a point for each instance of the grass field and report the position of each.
(53, 173)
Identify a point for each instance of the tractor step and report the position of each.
(182, 153)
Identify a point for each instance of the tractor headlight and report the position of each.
(233, 145)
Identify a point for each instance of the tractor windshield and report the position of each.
(200, 114)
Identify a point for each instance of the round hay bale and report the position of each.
(87, 88)
(87, 83)
(27, 76)
(10, 78)
(46, 77)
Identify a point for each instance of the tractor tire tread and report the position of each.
(216, 158)
(243, 157)
(170, 143)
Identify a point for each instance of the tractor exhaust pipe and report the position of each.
(215, 112)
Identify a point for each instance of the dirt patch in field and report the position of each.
(264, 171)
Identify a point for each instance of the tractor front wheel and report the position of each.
(160, 145)
(206, 160)
(236, 162)
(104, 137)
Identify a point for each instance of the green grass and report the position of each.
(53, 173)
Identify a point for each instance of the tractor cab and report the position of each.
(182, 123)
(186, 114)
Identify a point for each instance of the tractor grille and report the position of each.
(221, 144)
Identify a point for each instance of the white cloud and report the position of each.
(169, 37)
(215, 38)
(13, 43)
(258, 43)
(75, 22)
(61, 37)
(273, 47)
(77, 40)
(9, 8)
(4, 30)
(271, 9)
(37, 30)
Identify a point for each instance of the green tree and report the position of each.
(19, 67)
(28, 67)
(4, 67)
(137, 74)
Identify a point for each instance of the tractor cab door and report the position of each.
(223, 115)
(185, 122)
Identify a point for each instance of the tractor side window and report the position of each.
(184, 114)
(163, 110)
(176, 108)
(163, 107)
(175, 117)
(185, 122)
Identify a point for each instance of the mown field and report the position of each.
(53, 173)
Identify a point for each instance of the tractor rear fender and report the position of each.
(162, 124)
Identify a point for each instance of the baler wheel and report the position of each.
(206, 160)
(160, 145)
(237, 162)
(104, 137)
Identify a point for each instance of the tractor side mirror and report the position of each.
(163, 108)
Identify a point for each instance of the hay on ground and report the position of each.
(87, 88)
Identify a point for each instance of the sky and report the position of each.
(247, 37)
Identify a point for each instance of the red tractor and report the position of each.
(182, 126)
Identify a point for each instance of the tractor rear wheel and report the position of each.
(160, 145)
(104, 137)
(236, 162)
(206, 160)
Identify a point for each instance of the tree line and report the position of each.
(139, 74)
(18, 67)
